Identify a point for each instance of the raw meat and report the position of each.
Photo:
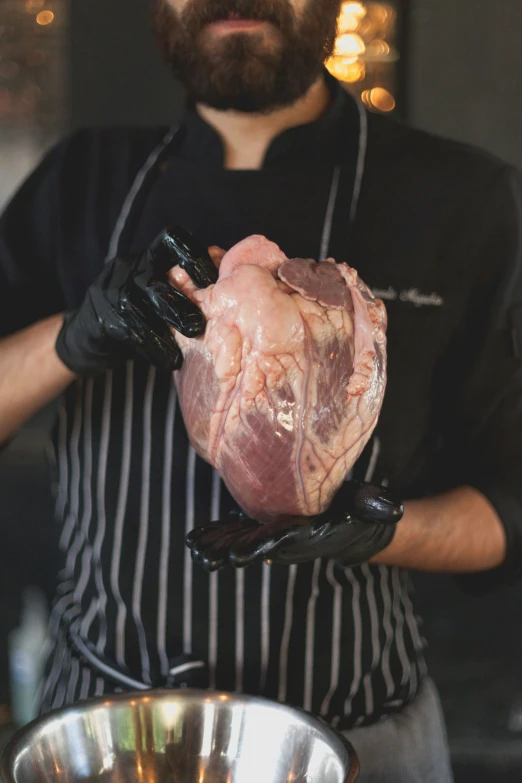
(284, 389)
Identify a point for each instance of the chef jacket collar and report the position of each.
(324, 140)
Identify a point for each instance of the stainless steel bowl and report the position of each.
(181, 736)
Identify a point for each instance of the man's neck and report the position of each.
(246, 137)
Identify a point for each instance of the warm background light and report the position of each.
(33, 54)
(378, 98)
(45, 17)
(357, 9)
(349, 45)
(365, 54)
(378, 49)
(382, 99)
(346, 69)
(350, 16)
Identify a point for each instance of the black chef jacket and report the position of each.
(437, 237)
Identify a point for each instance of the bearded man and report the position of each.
(268, 144)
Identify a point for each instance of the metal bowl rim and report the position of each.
(8, 754)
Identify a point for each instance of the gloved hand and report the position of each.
(359, 524)
(130, 306)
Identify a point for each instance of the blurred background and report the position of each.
(451, 68)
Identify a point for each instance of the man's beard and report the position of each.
(248, 72)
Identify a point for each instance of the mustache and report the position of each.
(204, 12)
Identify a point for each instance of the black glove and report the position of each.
(359, 523)
(131, 305)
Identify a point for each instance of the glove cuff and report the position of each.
(79, 351)
(371, 544)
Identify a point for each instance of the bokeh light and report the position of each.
(349, 45)
(34, 5)
(355, 8)
(378, 98)
(365, 53)
(378, 49)
(347, 69)
(350, 17)
(44, 18)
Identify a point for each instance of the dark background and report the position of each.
(461, 76)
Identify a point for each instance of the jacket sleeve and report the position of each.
(480, 381)
(55, 232)
(29, 274)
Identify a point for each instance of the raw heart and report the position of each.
(284, 389)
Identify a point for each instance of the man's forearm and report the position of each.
(31, 374)
(457, 531)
